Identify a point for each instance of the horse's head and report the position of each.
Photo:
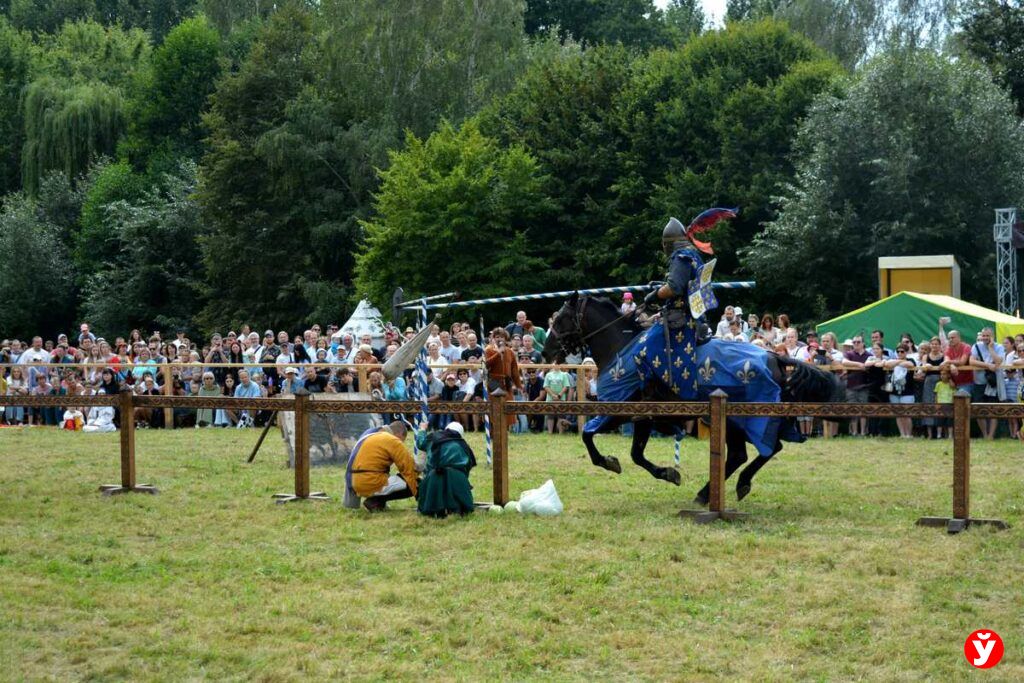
(565, 336)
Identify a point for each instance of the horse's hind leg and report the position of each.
(747, 475)
(641, 434)
(608, 462)
(736, 455)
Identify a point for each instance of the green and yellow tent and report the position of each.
(918, 314)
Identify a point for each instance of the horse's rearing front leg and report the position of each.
(641, 434)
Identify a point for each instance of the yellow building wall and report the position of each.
(923, 280)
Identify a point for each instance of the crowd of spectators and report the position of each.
(321, 360)
(929, 371)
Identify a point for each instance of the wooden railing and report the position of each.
(362, 371)
(500, 410)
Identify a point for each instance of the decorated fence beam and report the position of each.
(746, 284)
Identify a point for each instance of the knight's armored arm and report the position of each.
(680, 272)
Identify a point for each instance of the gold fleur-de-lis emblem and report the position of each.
(692, 324)
(695, 385)
(678, 362)
(746, 374)
(705, 371)
(656, 363)
(643, 353)
(688, 348)
(686, 373)
(679, 337)
(675, 387)
(617, 371)
(666, 377)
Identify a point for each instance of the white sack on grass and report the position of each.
(543, 501)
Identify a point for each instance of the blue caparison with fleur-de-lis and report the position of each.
(738, 369)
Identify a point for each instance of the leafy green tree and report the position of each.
(712, 125)
(628, 141)
(170, 95)
(88, 52)
(911, 158)
(635, 23)
(47, 16)
(454, 194)
(853, 30)
(75, 112)
(14, 76)
(97, 239)
(35, 281)
(993, 32)
(407, 65)
(258, 245)
(228, 15)
(684, 19)
(298, 132)
(154, 280)
(564, 110)
(68, 128)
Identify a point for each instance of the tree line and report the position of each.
(203, 163)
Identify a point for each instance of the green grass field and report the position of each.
(829, 579)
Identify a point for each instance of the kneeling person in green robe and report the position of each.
(445, 487)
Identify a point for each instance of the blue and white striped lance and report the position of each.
(744, 284)
(487, 418)
(421, 367)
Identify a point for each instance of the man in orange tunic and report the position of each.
(502, 366)
(370, 467)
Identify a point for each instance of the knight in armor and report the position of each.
(672, 358)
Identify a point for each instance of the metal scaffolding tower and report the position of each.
(1006, 261)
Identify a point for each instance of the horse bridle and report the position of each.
(576, 338)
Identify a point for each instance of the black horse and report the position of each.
(595, 323)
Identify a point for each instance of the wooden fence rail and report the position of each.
(501, 411)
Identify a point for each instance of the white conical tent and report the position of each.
(365, 320)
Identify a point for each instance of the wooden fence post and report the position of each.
(168, 391)
(302, 491)
(499, 445)
(716, 469)
(961, 518)
(961, 456)
(716, 475)
(127, 484)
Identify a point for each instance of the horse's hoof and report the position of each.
(702, 498)
(742, 490)
(611, 463)
(670, 475)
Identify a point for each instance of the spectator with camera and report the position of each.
(987, 359)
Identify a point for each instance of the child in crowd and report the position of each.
(944, 391)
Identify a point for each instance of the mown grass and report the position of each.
(829, 579)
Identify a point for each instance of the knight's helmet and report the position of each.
(674, 237)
